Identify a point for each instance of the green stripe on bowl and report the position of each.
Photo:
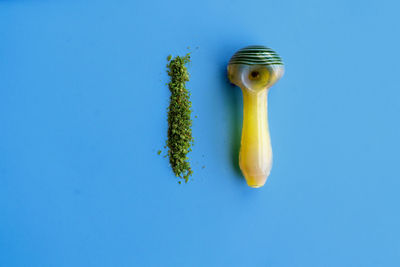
(256, 55)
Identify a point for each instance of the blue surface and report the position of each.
(83, 113)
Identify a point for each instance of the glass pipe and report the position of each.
(255, 69)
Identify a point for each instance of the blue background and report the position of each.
(83, 113)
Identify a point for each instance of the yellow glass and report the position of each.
(255, 69)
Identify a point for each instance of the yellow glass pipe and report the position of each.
(255, 69)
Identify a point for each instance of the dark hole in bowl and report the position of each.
(254, 74)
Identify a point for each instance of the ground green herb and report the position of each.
(179, 121)
(158, 152)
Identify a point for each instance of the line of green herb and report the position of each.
(179, 117)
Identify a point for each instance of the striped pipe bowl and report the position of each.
(256, 55)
